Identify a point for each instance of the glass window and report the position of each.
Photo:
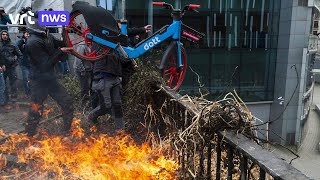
(137, 4)
(239, 50)
(219, 31)
(243, 46)
(224, 71)
(315, 24)
(302, 2)
(199, 63)
(137, 13)
(253, 74)
(198, 23)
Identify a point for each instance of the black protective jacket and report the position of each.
(25, 60)
(112, 64)
(10, 54)
(135, 31)
(44, 53)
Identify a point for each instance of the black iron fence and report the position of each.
(227, 155)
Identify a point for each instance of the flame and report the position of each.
(43, 110)
(93, 157)
(35, 107)
(46, 111)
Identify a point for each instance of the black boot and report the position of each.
(31, 128)
(66, 127)
(32, 123)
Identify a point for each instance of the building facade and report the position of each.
(258, 48)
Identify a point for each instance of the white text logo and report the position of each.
(19, 18)
(151, 44)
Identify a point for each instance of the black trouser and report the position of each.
(40, 89)
(85, 83)
(108, 90)
(11, 73)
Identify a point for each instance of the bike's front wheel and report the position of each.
(171, 72)
(74, 35)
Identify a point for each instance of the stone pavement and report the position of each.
(309, 161)
(13, 121)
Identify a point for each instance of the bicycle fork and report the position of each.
(170, 48)
(175, 42)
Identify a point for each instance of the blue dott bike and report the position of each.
(93, 32)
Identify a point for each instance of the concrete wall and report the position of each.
(294, 29)
(262, 112)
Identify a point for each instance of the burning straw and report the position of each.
(78, 157)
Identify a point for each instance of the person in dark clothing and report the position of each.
(44, 52)
(107, 85)
(2, 87)
(83, 70)
(11, 55)
(62, 67)
(24, 63)
(4, 19)
(128, 67)
(24, 10)
(133, 41)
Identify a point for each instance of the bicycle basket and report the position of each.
(191, 34)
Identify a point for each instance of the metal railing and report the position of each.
(227, 155)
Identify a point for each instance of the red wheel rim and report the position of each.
(173, 75)
(75, 35)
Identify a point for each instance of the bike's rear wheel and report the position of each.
(172, 74)
(74, 35)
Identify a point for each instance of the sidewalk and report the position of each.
(13, 121)
(309, 161)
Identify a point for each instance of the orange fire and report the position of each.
(95, 157)
(43, 111)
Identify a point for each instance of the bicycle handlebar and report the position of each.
(187, 7)
(164, 4)
(193, 6)
(158, 3)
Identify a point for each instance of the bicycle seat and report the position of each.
(102, 20)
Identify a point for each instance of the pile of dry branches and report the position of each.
(144, 104)
(211, 117)
(189, 129)
(138, 97)
(192, 140)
